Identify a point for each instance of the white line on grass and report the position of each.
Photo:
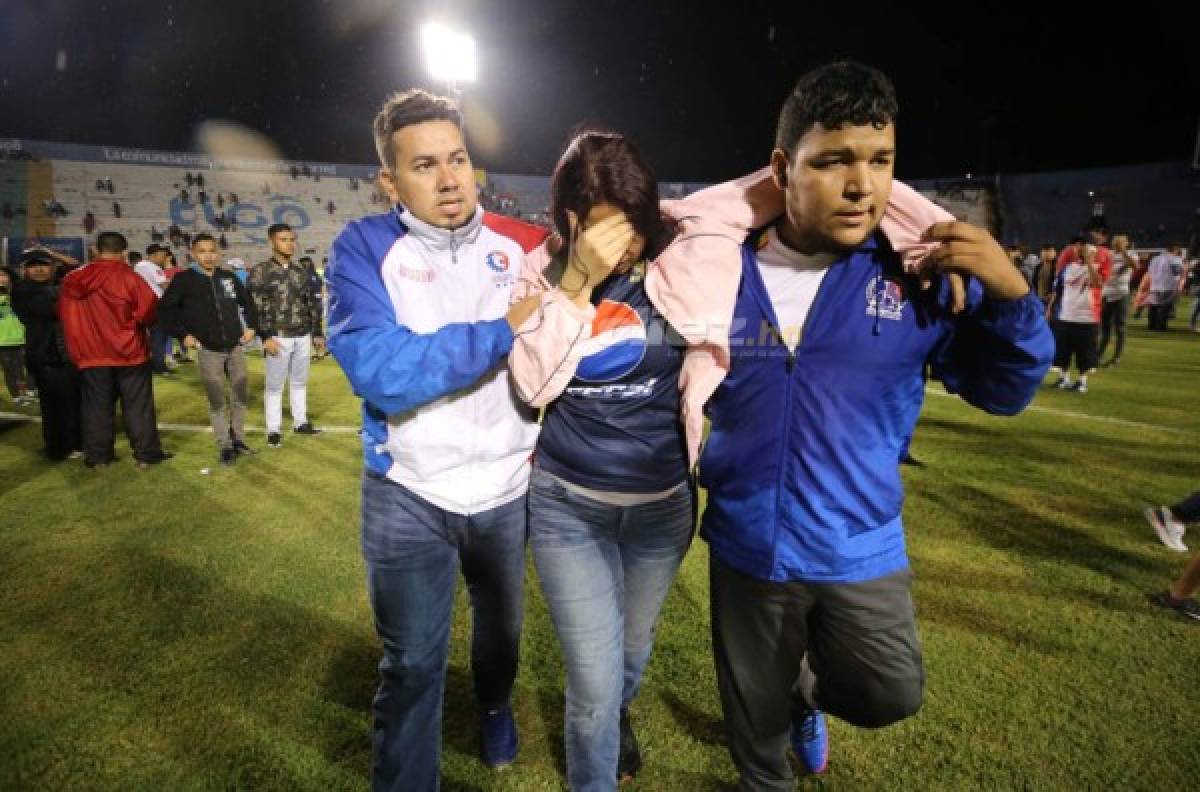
(1083, 416)
(174, 427)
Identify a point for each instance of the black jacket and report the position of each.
(207, 307)
(36, 305)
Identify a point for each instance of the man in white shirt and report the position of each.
(1075, 308)
(1165, 272)
(1115, 292)
(151, 270)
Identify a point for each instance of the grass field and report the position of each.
(167, 629)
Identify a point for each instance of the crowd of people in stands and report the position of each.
(192, 190)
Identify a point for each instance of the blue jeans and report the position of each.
(413, 551)
(604, 571)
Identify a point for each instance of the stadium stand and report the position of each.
(970, 201)
(49, 189)
(1155, 204)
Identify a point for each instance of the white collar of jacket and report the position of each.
(440, 238)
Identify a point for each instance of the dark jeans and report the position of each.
(848, 649)
(133, 385)
(12, 360)
(158, 348)
(1188, 509)
(1112, 319)
(605, 571)
(1160, 311)
(1075, 340)
(413, 551)
(59, 396)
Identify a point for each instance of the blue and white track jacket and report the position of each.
(416, 320)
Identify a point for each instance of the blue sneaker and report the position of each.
(498, 738)
(810, 740)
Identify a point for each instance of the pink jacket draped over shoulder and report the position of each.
(693, 284)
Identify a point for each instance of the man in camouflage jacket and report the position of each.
(289, 314)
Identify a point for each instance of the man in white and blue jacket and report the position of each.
(831, 346)
(420, 321)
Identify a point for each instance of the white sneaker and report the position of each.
(1170, 531)
(1064, 384)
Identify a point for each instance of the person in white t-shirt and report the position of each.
(150, 269)
(1074, 310)
(1116, 299)
(1165, 274)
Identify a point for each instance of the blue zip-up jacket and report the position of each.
(801, 464)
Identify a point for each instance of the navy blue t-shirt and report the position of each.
(616, 427)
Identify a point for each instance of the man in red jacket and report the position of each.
(106, 309)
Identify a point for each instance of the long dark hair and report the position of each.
(605, 167)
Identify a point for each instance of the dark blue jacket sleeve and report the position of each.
(388, 365)
(998, 352)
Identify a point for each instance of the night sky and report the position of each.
(984, 87)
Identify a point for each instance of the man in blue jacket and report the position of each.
(420, 320)
(832, 345)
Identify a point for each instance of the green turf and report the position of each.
(166, 629)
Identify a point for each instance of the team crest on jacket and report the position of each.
(885, 298)
(497, 261)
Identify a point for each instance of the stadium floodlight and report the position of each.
(449, 55)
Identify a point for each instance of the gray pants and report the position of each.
(217, 368)
(848, 649)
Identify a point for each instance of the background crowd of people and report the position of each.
(78, 338)
(1091, 285)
